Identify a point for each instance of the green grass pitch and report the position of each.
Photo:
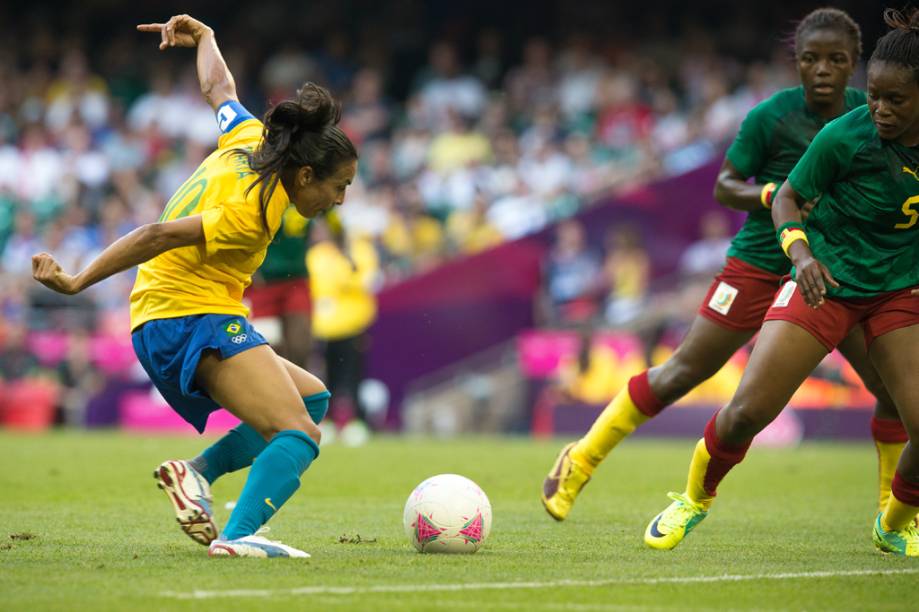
(84, 527)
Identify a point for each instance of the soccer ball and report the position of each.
(447, 514)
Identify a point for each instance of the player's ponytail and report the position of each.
(901, 44)
(299, 132)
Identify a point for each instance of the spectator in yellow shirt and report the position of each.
(343, 274)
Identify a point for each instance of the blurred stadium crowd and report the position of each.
(469, 134)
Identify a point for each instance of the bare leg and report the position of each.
(783, 357)
(853, 349)
(705, 349)
(256, 387)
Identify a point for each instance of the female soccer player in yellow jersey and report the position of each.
(857, 263)
(189, 326)
(773, 137)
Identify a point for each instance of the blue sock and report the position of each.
(274, 477)
(242, 444)
(317, 405)
(234, 451)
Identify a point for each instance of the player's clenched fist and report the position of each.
(50, 274)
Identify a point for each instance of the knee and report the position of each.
(307, 426)
(679, 376)
(741, 423)
(301, 422)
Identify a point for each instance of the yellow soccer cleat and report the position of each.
(563, 484)
(670, 526)
(904, 543)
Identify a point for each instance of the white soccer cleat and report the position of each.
(191, 497)
(254, 546)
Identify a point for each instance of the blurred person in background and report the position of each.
(280, 288)
(28, 392)
(571, 274)
(706, 255)
(770, 141)
(444, 88)
(344, 272)
(591, 374)
(78, 378)
(369, 114)
(469, 231)
(626, 275)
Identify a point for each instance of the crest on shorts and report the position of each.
(784, 296)
(233, 328)
(723, 298)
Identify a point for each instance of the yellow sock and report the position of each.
(888, 457)
(897, 515)
(695, 482)
(619, 419)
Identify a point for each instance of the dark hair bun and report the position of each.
(313, 110)
(900, 21)
(318, 109)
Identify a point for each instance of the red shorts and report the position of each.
(740, 296)
(832, 322)
(276, 298)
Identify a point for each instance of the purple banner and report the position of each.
(466, 306)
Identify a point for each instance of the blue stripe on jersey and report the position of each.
(230, 114)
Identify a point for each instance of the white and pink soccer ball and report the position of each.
(447, 514)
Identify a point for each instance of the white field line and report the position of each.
(547, 584)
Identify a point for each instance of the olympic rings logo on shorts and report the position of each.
(239, 339)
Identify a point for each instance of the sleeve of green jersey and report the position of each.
(826, 159)
(750, 149)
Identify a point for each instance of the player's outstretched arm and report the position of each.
(811, 275)
(143, 244)
(217, 84)
(733, 191)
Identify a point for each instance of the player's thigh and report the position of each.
(896, 357)
(307, 384)
(255, 386)
(710, 344)
(855, 351)
(783, 357)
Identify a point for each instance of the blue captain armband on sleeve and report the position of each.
(230, 114)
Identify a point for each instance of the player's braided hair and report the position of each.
(299, 132)
(829, 19)
(901, 44)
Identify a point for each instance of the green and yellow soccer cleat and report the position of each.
(904, 543)
(673, 524)
(563, 484)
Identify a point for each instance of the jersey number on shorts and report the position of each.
(911, 214)
(185, 200)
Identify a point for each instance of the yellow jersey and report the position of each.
(343, 301)
(211, 278)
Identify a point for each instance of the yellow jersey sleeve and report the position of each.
(246, 134)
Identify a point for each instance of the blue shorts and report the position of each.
(169, 350)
